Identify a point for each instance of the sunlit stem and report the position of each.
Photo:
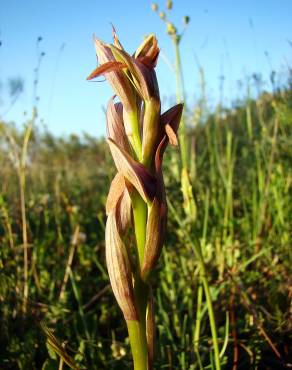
(203, 278)
(135, 138)
(138, 344)
(140, 218)
(209, 302)
(180, 97)
(150, 129)
(22, 183)
(137, 329)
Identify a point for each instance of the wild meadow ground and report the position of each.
(52, 224)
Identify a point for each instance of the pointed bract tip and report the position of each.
(105, 68)
(115, 38)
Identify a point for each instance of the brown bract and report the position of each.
(119, 269)
(115, 125)
(134, 172)
(148, 51)
(139, 69)
(157, 216)
(113, 72)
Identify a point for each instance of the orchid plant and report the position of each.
(138, 135)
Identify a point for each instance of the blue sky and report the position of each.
(228, 38)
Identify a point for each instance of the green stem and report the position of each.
(138, 343)
(211, 315)
(150, 129)
(140, 219)
(180, 92)
(198, 253)
(203, 277)
(137, 329)
(186, 186)
(135, 138)
(198, 316)
(209, 302)
(180, 96)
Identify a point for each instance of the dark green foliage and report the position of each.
(241, 163)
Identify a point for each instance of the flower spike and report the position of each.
(136, 207)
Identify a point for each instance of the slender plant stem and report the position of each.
(180, 96)
(140, 219)
(138, 345)
(198, 316)
(212, 325)
(135, 138)
(137, 329)
(211, 316)
(198, 253)
(22, 181)
(209, 302)
(24, 239)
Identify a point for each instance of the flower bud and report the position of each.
(124, 212)
(186, 20)
(155, 230)
(115, 125)
(156, 220)
(170, 29)
(113, 72)
(148, 51)
(151, 130)
(154, 7)
(142, 76)
(119, 269)
(116, 190)
(169, 4)
(134, 172)
(162, 15)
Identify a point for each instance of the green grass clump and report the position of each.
(240, 165)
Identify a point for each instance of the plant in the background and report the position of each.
(18, 154)
(176, 37)
(138, 135)
(190, 207)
